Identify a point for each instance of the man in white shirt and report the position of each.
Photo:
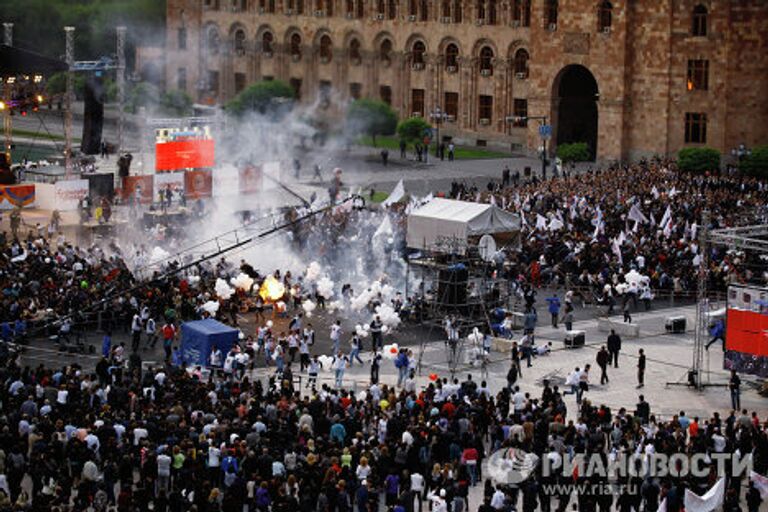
(497, 501)
(438, 502)
(518, 399)
(336, 336)
(163, 471)
(214, 464)
(136, 329)
(139, 433)
(417, 486)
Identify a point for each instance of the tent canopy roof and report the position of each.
(15, 61)
(209, 326)
(449, 209)
(442, 219)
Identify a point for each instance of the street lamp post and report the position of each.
(741, 152)
(545, 131)
(438, 116)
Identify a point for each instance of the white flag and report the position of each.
(493, 200)
(616, 248)
(711, 500)
(397, 194)
(555, 224)
(760, 482)
(636, 214)
(655, 192)
(541, 222)
(385, 228)
(653, 219)
(667, 216)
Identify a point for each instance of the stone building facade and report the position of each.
(631, 78)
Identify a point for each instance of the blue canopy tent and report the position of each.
(200, 336)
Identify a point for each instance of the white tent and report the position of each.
(447, 224)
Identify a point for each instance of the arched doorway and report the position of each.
(575, 95)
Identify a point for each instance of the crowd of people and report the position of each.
(586, 231)
(172, 438)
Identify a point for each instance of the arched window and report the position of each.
(380, 7)
(700, 15)
(446, 9)
(604, 16)
(392, 9)
(491, 14)
(418, 52)
(413, 8)
(424, 10)
(350, 8)
(296, 46)
(456, 11)
(521, 63)
(521, 13)
(240, 42)
(214, 41)
(385, 51)
(266, 42)
(326, 48)
(452, 56)
(354, 50)
(360, 9)
(271, 6)
(329, 8)
(550, 13)
(486, 61)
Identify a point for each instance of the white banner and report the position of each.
(63, 196)
(226, 181)
(710, 501)
(760, 482)
(163, 179)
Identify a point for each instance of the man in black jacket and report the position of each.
(614, 346)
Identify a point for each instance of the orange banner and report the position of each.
(184, 154)
(131, 183)
(198, 184)
(250, 179)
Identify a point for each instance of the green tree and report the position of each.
(273, 97)
(177, 103)
(573, 152)
(57, 84)
(412, 129)
(371, 117)
(698, 159)
(142, 94)
(756, 164)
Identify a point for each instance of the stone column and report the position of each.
(310, 57)
(430, 84)
(465, 93)
(499, 94)
(370, 74)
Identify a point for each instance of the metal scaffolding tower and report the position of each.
(8, 34)
(702, 302)
(70, 58)
(7, 126)
(121, 30)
